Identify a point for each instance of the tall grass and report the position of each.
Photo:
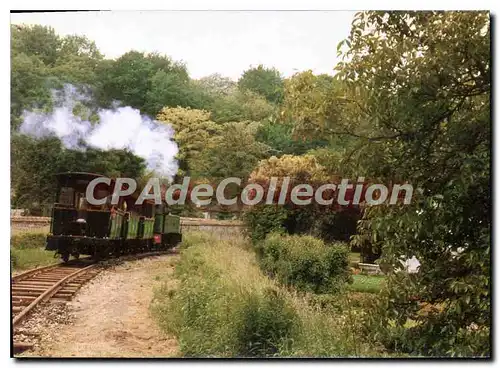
(223, 306)
(27, 250)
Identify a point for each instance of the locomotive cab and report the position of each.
(74, 220)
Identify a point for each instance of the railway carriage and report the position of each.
(77, 227)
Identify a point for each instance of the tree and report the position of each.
(279, 137)
(331, 222)
(42, 61)
(266, 82)
(217, 85)
(28, 86)
(135, 77)
(235, 152)
(37, 41)
(167, 89)
(36, 162)
(194, 133)
(417, 93)
(314, 104)
(240, 106)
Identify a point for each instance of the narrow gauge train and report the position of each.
(79, 228)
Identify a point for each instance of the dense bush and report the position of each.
(305, 262)
(262, 220)
(325, 224)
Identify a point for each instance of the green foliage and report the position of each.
(267, 324)
(27, 250)
(25, 259)
(33, 177)
(42, 60)
(28, 87)
(305, 262)
(422, 95)
(14, 259)
(28, 240)
(195, 237)
(36, 40)
(217, 85)
(367, 283)
(195, 133)
(313, 103)
(235, 152)
(263, 221)
(240, 106)
(278, 136)
(266, 82)
(330, 223)
(147, 82)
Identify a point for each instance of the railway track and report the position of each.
(56, 283)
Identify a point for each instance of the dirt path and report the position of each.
(110, 316)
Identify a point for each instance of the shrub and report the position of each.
(305, 262)
(27, 250)
(23, 259)
(268, 322)
(262, 220)
(28, 240)
(331, 226)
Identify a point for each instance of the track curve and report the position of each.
(59, 282)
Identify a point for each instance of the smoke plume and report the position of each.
(116, 128)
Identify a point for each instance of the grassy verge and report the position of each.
(27, 250)
(367, 283)
(223, 306)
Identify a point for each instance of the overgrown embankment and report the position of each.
(224, 306)
(27, 250)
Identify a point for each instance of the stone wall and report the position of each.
(222, 229)
(27, 223)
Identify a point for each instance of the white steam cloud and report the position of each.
(117, 128)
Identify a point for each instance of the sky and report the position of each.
(224, 42)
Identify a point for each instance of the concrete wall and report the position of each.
(222, 229)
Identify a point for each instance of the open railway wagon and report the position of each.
(79, 228)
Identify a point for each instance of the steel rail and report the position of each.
(47, 294)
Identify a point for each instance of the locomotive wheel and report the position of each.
(65, 257)
(76, 255)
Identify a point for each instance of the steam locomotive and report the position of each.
(104, 231)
